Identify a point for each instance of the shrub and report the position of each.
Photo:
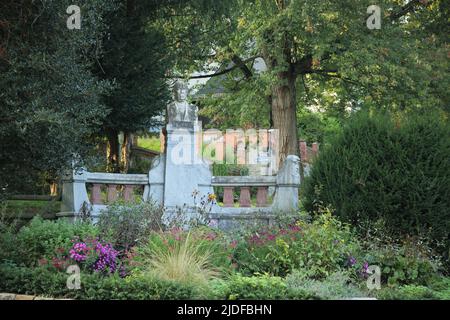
(336, 286)
(41, 281)
(436, 290)
(41, 238)
(127, 224)
(321, 247)
(394, 168)
(401, 262)
(261, 287)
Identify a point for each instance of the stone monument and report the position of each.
(180, 110)
(185, 171)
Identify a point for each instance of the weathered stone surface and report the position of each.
(288, 182)
(261, 197)
(24, 297)
(7, 296)
(228, 198)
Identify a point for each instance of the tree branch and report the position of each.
(407, 8)
(222, 72)
(242, 65)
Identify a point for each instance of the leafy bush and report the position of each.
(394, 168)
(336, 286)
(192, 257)
(321, 247)
(127, 224)
(41, 281)
(40, 239)
(436, 290)
(409, 261)
(262, 287)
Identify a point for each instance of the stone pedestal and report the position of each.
(74, 192)
(288, 182)
(185, 172)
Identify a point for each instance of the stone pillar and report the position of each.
(288, 182)
(74, 192)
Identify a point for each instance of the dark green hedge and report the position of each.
(40, 281)
(394, 168)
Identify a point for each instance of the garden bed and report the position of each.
(130, 255)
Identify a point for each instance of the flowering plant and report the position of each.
(92, 255)
(321, 247)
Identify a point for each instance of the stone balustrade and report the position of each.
(113, 186)
(116, 186)
(244, 183)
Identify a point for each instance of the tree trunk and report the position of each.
(54, 188)
(112, 151)
(125, 152)
(284, 115)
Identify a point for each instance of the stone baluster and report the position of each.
(261, 197)
(244, 198)
(315, 149)
(112, 192)
(128, 192)
(228, 198)
(303, 151)
(96, 194)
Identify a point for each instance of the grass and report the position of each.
(151, 143)
(26, 207)
(183, 262)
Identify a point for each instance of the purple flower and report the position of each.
(365, 269)
(79, 251)
(351, 261)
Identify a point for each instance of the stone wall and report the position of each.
(12, 296)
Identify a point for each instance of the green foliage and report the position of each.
(41, 239)
(410, 261)
(47, 119)
(40, 281)
(152, 143)
(128, 224)
(316, 127)
(194, 257)
(262, 287)
(321, 247)
(336, 286)
(136, 60)
(389, 168)
(437, 290)
(340, 64)
(18, 208)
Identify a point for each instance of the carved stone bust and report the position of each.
(180, 110)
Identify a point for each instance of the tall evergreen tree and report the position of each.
(50, 102)
(136, 61)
